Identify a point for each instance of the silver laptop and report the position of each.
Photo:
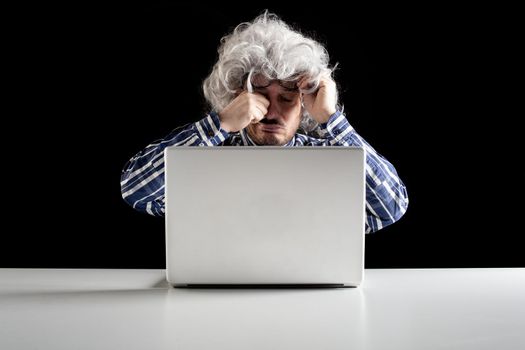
(265, 215)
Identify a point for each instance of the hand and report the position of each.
(322, 103)
(244, 109)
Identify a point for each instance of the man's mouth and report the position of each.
(271, 127)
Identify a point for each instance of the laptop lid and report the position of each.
(265, 215)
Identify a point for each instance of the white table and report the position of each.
(135, 309)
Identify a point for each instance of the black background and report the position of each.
(97, 84)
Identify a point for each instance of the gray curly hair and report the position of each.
(266, 46)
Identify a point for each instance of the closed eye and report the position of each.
(285, 99)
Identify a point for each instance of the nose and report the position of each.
(273, 111)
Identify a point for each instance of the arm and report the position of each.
(386, 195)
(142, 179)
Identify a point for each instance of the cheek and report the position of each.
(292, 113)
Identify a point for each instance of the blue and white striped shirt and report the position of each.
(142, 179)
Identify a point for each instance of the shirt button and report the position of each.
(201, 144)
(210, 133)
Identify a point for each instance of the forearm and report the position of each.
(142, 179)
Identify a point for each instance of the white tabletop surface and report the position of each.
(135, 309)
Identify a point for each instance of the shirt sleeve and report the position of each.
(142, 179)
(386, 194)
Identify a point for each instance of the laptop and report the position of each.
(265, 216)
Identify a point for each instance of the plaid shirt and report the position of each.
(142, 179)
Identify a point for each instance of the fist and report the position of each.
(320, 104)
(244, 109)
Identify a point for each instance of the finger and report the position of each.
(261, 99)
(303, 84)
(259, 113)
(326, 80)
(307, 87)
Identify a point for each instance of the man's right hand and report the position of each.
(244, 109)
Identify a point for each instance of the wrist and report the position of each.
(324, 116)
(224, 125)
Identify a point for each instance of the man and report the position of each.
(270, 86)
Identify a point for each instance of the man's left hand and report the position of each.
(320, 104)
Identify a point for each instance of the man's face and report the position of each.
(284, 115)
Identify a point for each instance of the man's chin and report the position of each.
(273, 141)
(269, 139)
